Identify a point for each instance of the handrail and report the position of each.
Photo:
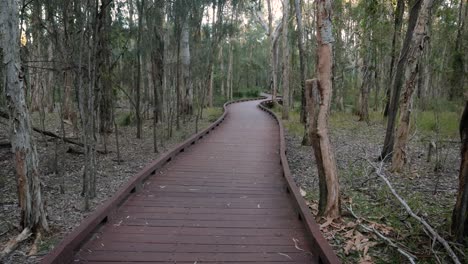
(319, 243)
(65, 250)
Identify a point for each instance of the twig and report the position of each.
(408, 255)
(435, 235)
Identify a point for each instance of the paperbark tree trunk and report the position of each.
(329, 204)
(460, 212)
(285, 114)
(417, 45)
(33, 215)
(187, 81)
(397, 83)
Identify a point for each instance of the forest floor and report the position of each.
(66, 209)
(429, 191)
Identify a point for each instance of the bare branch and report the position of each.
(379, 171)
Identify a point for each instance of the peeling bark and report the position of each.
(417, 45)
(33, 215)
(329, 204)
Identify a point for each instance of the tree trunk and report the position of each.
(312, 99)
(458, 74)
(286, 69)
(397, 84)
(221, 69)
(329, 205)
(365, 89)
(398, 16)
(187, 81)
(302, 57)
(157, 64)
(33, 215)
(141, 6)
(104, 82)
(460, 212)
(418, 42)
(230, 65)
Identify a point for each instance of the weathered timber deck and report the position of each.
(223, 199)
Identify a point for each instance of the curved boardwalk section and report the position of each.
(222, 200)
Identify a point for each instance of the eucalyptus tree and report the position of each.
(31, 202)
(417, 44)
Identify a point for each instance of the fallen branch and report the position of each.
(435, 235)
(408, 255)
(14, 242)
(53, 135)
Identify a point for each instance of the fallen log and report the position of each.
(53, 135)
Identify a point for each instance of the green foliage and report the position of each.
(247, 93)
(213, 113)
(126, 119)
(431, 122)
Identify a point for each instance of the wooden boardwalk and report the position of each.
(221, 200)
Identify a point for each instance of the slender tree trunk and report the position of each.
(329, 205)
(398, 16)
(460, 212)
(141, 6)
(286, 66)
(365, 89)
(273, 86)
(221, 62)
(33, 215)
(302, 57)
(397, 83)
(104, 82)
(230, 65)
(157, 66)
(458, 74)
(186, 75)
(417, 45)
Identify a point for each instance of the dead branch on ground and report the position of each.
(379, 170)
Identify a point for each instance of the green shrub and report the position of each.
(127, 119)
(213, 113)
(447, 124)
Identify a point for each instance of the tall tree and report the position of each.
(329, 204)
(398, 23)
(104, 55)
(397, 83)
(33, 215)
(187, 101)
(286, 68)
(141, 8)
(302, 66)
(415, 49)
